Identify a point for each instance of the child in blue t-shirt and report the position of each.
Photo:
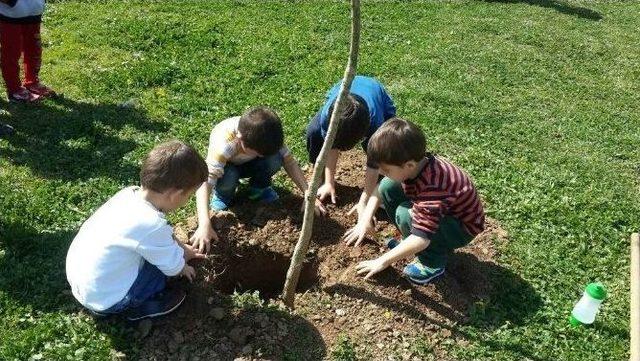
(368, 106)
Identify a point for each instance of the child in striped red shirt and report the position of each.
(433, 203)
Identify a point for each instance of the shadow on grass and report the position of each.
(559, 6)
(69, 140)
(32, 269)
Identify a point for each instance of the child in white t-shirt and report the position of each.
(120, 259)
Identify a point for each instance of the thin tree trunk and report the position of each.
(293, 274)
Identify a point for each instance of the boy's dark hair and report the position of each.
(173, 165)
(396, 142)
(354, 123)
(261, 130)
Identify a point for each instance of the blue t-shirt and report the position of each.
(380, 105)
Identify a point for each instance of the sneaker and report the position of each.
(6, 129)
(266, 195)
(218, 204)
(391, 242)
(23, 96)
(421, 274)
(41, 90)
(163, 303)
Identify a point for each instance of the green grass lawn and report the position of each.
(538, 99)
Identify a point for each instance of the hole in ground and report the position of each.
(252, 268)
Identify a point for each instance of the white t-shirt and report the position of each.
(105, 256)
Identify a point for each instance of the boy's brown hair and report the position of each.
(354, 123)
(396, 142)
(173, 164)
(261, 130)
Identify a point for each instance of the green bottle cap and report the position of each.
(574, 321)
(597, 291)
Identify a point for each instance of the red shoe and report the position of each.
(23, 96)
(41, 90)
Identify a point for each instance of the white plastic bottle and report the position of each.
(584, 312)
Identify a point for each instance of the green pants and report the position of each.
(450, 235)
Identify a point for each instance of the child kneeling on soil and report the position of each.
(368, 107)
(249, 146)
(119, 261)
(433, 203)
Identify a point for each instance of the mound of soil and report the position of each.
(382, 318)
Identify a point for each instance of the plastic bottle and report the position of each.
(584, 312)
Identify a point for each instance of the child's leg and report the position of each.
(261, 170)
(149, 282)
(314, 138)
(10, 51)
(396, 204)
(226, 186)
(450, 235)
(32, 48)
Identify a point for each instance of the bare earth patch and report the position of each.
(383, 318)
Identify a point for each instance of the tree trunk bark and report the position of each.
(293, 274)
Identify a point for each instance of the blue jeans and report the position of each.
(259, 171)
(149, 282)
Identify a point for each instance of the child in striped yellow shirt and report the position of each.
(249, 146)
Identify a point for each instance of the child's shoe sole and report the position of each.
(167, 304)
(424, 281)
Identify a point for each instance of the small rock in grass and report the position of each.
(217, 313)
(340, 312)
(131, 103)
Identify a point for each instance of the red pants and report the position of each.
(17, 40)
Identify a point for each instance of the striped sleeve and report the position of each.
(223, 145)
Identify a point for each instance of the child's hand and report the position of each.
(359, 208)
(320, 209)
(202, 238)
(191, 252)
(357, 233)
(370, 267)
(188, 272)
(327, 191)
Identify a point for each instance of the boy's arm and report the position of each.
(357, 233)
(328, 189)
(203, 235)
(370, 182)
(161, 250)
(408, 247)
(297, 176)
